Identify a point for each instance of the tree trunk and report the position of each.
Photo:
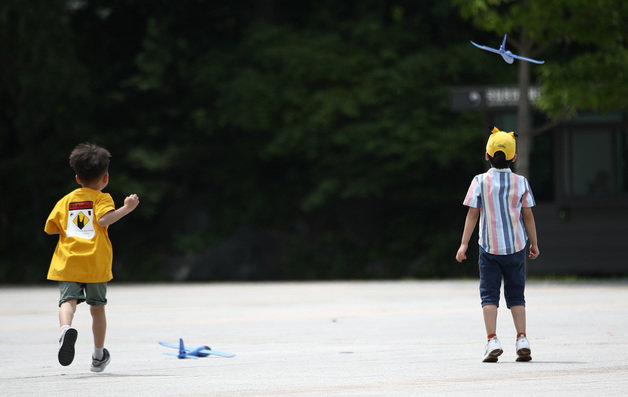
(524, 112)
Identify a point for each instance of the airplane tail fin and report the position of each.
(504, 42)
(181, 347)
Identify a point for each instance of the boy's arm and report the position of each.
(111, 217)
(530, 225)
(469, 225)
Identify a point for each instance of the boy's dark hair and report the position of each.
(89, 161)
(499, 160)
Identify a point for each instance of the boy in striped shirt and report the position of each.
(502, 201)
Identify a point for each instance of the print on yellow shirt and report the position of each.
(81, 220)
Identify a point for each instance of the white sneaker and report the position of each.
(493, 350)
(523, 349)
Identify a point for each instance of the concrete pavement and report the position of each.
(414, 338)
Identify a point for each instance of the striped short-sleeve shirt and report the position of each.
(500, 194)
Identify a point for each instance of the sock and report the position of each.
(491, 336)
(63, 329)
(521, 334)
(98, 352)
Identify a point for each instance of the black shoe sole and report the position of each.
(66, 351)
(523, 355)
(493, 356)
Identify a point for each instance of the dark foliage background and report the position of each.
(267, 139)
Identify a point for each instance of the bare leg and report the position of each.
(99, 325)
(519, 318)
(66, 312)
(490, 319)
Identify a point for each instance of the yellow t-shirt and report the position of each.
(83, 253)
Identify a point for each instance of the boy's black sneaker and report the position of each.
(66, 346)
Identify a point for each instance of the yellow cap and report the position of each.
(501, 141)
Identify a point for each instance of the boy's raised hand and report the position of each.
(132, 201)
(111, 217)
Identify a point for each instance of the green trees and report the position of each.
(334, 133)
(325, 125)
(42, 85)
(357, 126)
(584, 44)
(593, 51)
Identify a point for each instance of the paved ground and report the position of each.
(321, 339)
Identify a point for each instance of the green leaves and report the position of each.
(582, 41)
(336, 121)
(584, 83)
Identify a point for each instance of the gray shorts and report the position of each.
(95, 294)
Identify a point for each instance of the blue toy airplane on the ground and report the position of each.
(508, 56)
(186, 352)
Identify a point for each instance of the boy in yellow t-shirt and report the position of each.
(83, 256)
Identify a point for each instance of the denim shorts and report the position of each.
(513, 269)
(95, 294)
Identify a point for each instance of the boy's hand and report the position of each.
(534, 251)
(111, 217)
(131, 202)
(462, 253)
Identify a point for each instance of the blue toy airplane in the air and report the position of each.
(197, 352)
(508, 56)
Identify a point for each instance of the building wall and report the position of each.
(581, 241)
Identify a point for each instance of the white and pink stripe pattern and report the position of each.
(500, 194)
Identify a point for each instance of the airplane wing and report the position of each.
(527, 59)
(196, 353)
(483, 47)
(177, 355)
(173, 346)
(216, 353)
